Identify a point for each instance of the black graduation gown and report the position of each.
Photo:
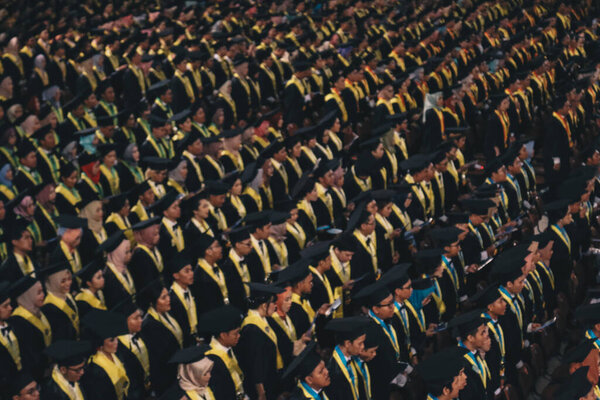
(292, 174)
(62, 328)
(97, 385)
(142, 269)
(22, 182)
(10, 270)
(114, 292)
(135, 372)
(474, 389)
(556, 146)
(299, 318)
(9, 368)
(64, 206)
(293, 105)
(318, 295)
(284, 343)
(257, 356)
(235, 286)
(493, 357)
(339, 388)
(512, 338)
(161, 346)
(206, 291)
(209, 171)
(432, 133)
(362, 263)
(221, 384)
(561, 263)
(46, 228)
(31, 345)
(51, 391)
(306, 223)
(384, 367)
(384, 248)
(180, 314)
(88, 246)
(494, 136)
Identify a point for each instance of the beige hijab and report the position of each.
(189, 375)
(27, 299)
(53, 283)
(88, 213)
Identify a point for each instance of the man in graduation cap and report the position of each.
(209, 287)
(364, 261)
(10, 353)
(69, 358)
(559, 141)
(311, 373)
(23, 387)
(20, 245)
(171, 234)
(444, 374)
(155, 144)
(70, 232)
(235, 268)
(561, 263)
(295, 95)
(146, 261)
(258, 260)
(27, 174)
(223, 324)
(183, 304)
(257, 349)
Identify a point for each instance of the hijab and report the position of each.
(53, 283)
(431, 100)
(3, 179)
(189, 375)
(118, 255)
(89, 212)
(21, 208)
(128, 154)
(175, 173)
(27, 299)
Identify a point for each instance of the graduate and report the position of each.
(146, 253)
(69, 359)
(311, 373)
(443, 374)
(10, 353)
(92, 284)
(194, 371)
(183, 304)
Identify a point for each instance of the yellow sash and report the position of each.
(254, 318)
(88, 297)
(193, 395)
(281, 250)
(265, 259)
(52, 162)
(297, 232)
(238, 162)
(190, 307)
(565, 238)
(25, 264)
(371, 248)
(73, 392)
(334, 95)
(168, 322)
(387, 226)
(40, 323)
(12, 348)
(8, 192)
(417, 314)
(305, 304)
(237, 376)
(286, 324)
(176, 236)
(155, 256)
(342, 366)
(305, 206)
(126, 283)
(203, 227)
(73, 258)
(123, 224)
(112, 177)
(255, 196)
(238, 204)
(218, 277)
(140, 353)
(192, 159)
(325, 282)
(62, 305)
(215, 164)
(309, 153)
(115, 371)
(242, 270)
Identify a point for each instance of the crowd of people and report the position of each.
(298, 199)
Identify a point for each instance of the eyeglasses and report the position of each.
(248, 244)
(391, 304)
(78, 370)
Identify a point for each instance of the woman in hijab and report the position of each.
(89, 185)
(59, 306)
(8, 191)
(39, 78)
(26, 210)
(118, 283)
(6, 92)
(227, 104)
(12, 62)
(52, 96)
(193, 378)
(433, 118)
(30, 125)
(218, 120)
(130, 173)
(45, 211)
(125, 133)
(14, 112)
(30, 325)
(177, 177)
(162, 334)
(95, 234)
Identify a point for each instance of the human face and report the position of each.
(217, 200)
(204, 379)
(29, 392)
(286, 301)
(185, 276)
(355, 346)
(368, 354)
(453, 249)
(97, 281)
(516, 286)
(378, 152)
(98, 212)
(174, 211)
(73, 373)
(65, 282)
(71, 180)
(386, 210)
(110, 159)
(244, 247)
(236, 189)
(163, 303)
(215, 251)
(110, 345)
(271, 308)
(369, 226)
(319, 378)
(481, 338)
(405, 291)
(385, 308)
(72, 237)
(305, 285)
(498, 307)
(30, 160)
(546, 252)
(25, 243)
(6, 309)
(231, 338)
(372, 207)
(458, 384)
(134, 322)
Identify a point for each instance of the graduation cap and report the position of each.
(348, 328)
(478, 206)
(180, 117)
(486, 296)
(507, 268)
(70, 221)
(416, 163)
(372, 294)
(589, 314)
(86, 158)
(457, 218)
(396, 276)
(428, 260)
(4, 291)
(239, 234)
(261, 293)
(344, 242)
(41, 133)
(290, 141)
(259, 219)
(25, 148)
(494, 165)
(294, 273)
(178, 262)
(125, 307)
(328, 120)
(101, 324)
(557, 209)
(577, 386)
(87, 272)
(189, 355)
(216, 188)
(317, 252)
(156, 163)
(146, 223)
(66, 169)
(464, 324)
(165, 202)
(579, 353)
(441, 368)
(221, 319)
(573, 189)
(21, 285)
(18, 382)
(279, 217)
(359, 216)
(304, 364)
(445, 236)
(304, 185)
(201, 243)
(158, 89)
(111, 243)
(67, 353)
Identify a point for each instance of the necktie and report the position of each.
(186, 295)
(6, 333)
(262, 247)
(71, 304)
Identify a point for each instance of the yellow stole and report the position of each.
(193, 395)
(342, 365)
(8, 192)
(40, 323)
(215, 164)
(371, 248)
(12, 348)
(297, 232)
(203, 227)
(141, 354)
(218, 277)
(242, 270)
(127, 283)
(176, 236)
(281, 250)
(286, 325)
(238, 204)
(115, 371)
(123, 224)
(88, 297)
(365, 184)
(168, 322)
(190, 308)
(73, 258)
(254, 318)
(305, 206)
(335, 96)
(237, 376)
(230, 102)
(236, 158)
(25, 264)
(52, 162)
(565, 238)
(112, 177)
(387, 226)
(325, 198)
(140, 211)
(304, 303)
(62, 305)
(155, 256)
(73, 392)
(192, 159)
(325, 281)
